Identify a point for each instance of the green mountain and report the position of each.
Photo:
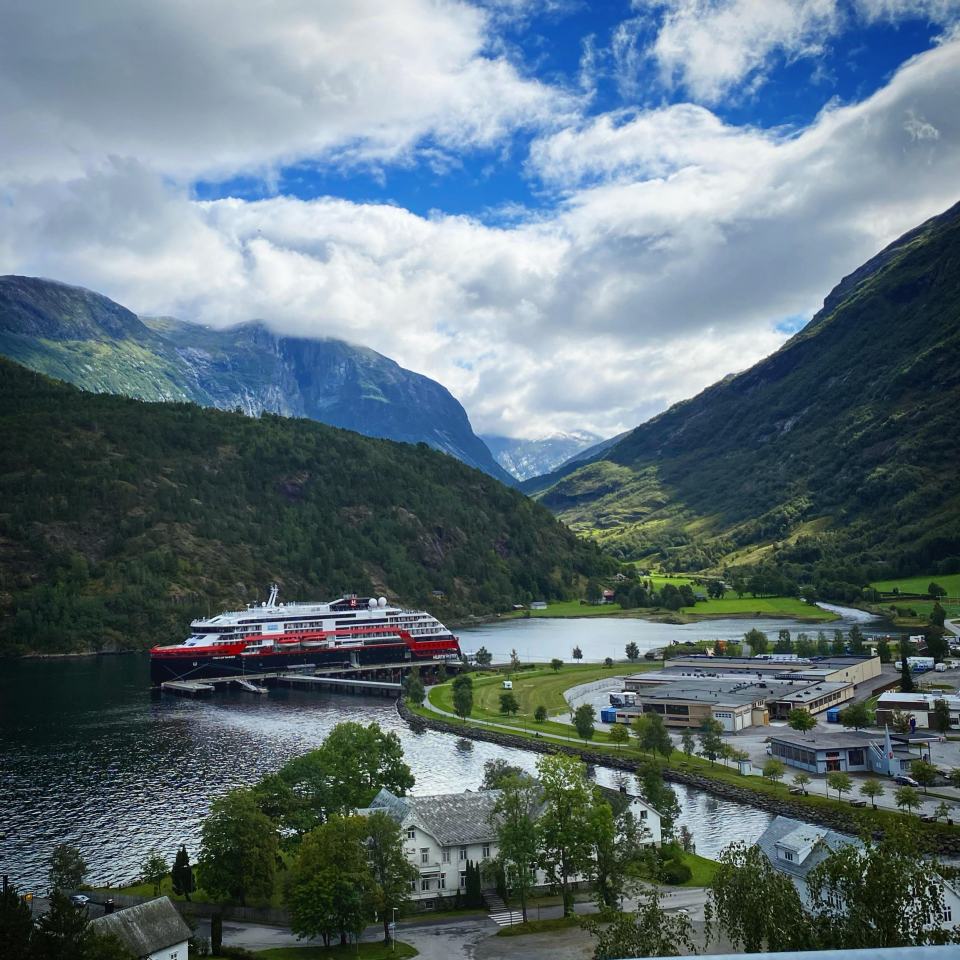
(88, 340)
(834, 459)
(121, 520)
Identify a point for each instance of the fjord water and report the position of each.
(89, 757)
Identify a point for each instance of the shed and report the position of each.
(151, 931)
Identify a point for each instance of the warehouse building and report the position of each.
(846, 669)
(919, 706)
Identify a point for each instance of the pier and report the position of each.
(374, 680)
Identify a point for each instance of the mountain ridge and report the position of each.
(85, 338)
(793, 460)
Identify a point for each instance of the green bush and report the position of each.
(675, 873)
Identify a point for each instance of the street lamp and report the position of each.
(393, 932)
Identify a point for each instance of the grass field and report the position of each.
(950, 582)
(762, 606)
(570, 608)
(701, 868)
(365, 951)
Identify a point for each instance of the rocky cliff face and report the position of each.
(86, 339)
(531, 458)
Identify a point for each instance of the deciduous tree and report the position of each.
(801, 720)
(238, 849)
(758, 641)
(66, 869)
(924, 772)
(801, 780)
(563, 830)
(856, 715)
(514, 818)
(839, 781)
(389, 867)
(484, 657)
(584, 718)
(632, 651)
(906, 798)
(688, 743)
(710, 737)
(508, 703)
(774, 770)
(497, 772)
(871, 789)
(577, 654)
(153, 869)
(649, 931)
(540, 714)
(555, 664)
(463, 696)
(941, 716)
(619, 735)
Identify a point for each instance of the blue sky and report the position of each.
(551, 45)
(570, 214)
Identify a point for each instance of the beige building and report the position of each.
(855, 670)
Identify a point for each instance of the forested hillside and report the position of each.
(90, 341)
(833, 460)
(121, 520)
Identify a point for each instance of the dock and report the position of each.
(337, 679)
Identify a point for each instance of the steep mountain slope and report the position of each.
(531, 458)
(835, 456)
(86, 339)
(120, 520)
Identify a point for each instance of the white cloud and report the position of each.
(215, 88)
(712, 48)
(677, 245)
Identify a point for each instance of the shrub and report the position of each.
(675, 873)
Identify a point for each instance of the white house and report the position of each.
(795, 848)
(442, 832)
(151, 931)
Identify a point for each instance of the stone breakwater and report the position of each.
(942, 840)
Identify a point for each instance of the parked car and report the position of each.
(79, 899)
(905, 781)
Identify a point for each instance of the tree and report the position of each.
(540, 714)
(564, 840)
(938, 617)
(497, 772)
(514, 660)
(924, 772)
(182, 873)
(413, 689)
(652, 733)
(878, 894)
(508, 703)
(754, 905)
(238, 849)
(659, 795)
(331, 887)
(906, 678)
(839, 781)
(801, 720)
(345, 773)
(758, 641)
(66, 868)
(856, 715)
(16, 924)
(649, 931)
(484, 657)
(906, 797)
(935, 591)
(954, 778)
(61, 932)
(619, 735)
(942, 810)
(153, 869)
(710, 737)
(389, 868)
(583, 719)
(577, 654)
(514, 819)
(556, 663)
(883, 651)
(633, 651)
(608, 662)
(783, 644)
(774, 770)
(900, 721)
(838, 647)
(871, 789)
(802, 781)
(463, 696)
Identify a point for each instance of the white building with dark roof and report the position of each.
(150, 931)
(442, 832)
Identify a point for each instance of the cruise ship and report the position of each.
(271, 636)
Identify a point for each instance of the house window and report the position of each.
(463, 853)
(411, 833)
(424, 883)
(787, 855)
(443, 881)
(463, 879)
(946, 915)
(424, 854)
(413, 886)
(445, 856)
(486, 851)
(643, 814)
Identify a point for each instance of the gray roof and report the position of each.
(387, 802)
(451, 818)
(147, 927)
(829, 741)
(796, 835)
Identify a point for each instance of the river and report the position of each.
(89, 757)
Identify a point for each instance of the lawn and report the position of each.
(365, 951)
(949, 581)
(571, 608)
(761, 606)
(538, 926)
(702, 869)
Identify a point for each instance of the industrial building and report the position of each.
(853, 752)
(846, 669)
(917, 705)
